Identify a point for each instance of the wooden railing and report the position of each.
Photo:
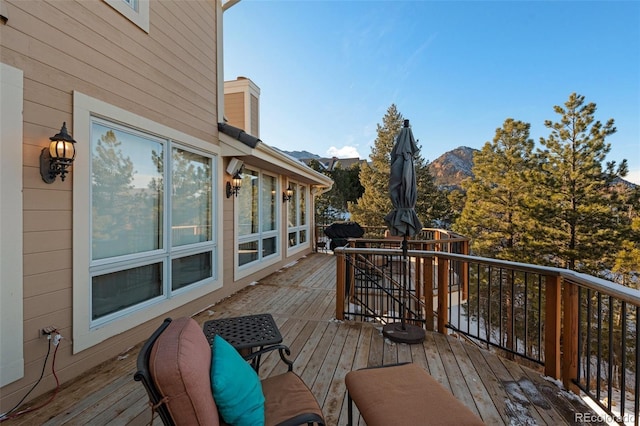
(580, 329)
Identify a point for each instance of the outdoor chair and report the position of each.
(175, 367)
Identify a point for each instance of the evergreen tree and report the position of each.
(494, 214)
(626, 268)
(432, 205)
(575, 200)
(333, 204)
(374, 204)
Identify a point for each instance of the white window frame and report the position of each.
(295, 201)
(136, 11)
(242, 271)
(86, 333)
(11, 225)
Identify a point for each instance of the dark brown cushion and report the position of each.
(286, 395)
(405, 394)
(180, 365)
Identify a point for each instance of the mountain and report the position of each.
(452, 167)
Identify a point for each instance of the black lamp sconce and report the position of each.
(233, 187)
(58, 156)
(286, 196)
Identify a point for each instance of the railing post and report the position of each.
(340, 285)
(443, 293)
(427, 280)
(552, 326)
(570, 336)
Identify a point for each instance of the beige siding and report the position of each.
(167, 75)
(255, 116)
(234, 109)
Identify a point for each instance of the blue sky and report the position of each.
(329, 70)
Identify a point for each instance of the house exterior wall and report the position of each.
(234, 109)
(71, 57)
(166, 74)
(242, 105)
(255, 115)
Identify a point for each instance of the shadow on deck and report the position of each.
(301, 298)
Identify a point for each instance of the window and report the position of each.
(257, 218)
(137, 11)
(132, 259)
(145, 220)
(298, 227)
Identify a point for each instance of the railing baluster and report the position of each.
(610, 362)
(599, 363)
(500, 304)
(623, 352)
(540, 322)
(588, 349)
(489, 297)
(636, 386)
(526, 317)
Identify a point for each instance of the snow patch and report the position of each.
(519, 414)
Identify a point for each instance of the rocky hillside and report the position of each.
(452, 167)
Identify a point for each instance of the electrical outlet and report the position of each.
(48, 330)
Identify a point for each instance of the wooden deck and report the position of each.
(302, 300)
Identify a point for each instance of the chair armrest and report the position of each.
(282, 349)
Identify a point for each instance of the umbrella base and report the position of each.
(410, 334)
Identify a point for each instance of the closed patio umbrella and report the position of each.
(403, 221)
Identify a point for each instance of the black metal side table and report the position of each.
(247, 333)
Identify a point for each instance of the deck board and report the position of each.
(301, 298)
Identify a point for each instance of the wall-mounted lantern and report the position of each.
(286, 196)
(233, 187)
(58, 156)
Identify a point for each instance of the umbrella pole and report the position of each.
(405, 259)
(402, 332)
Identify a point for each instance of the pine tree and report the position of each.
(494, 215)
(574, 191)
(432, 206)
(626, 268)
(374, 204)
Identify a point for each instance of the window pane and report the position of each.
(132, 3)
(292, 239)
(247, 204)
(190, 269)
(190, 198)
(303, 205)
(293, 207)
(268, 246)
(119, 290)
(269, 186)
(247, 252)
(303, 236)
(126, 197)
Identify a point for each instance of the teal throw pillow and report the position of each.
(236, 386)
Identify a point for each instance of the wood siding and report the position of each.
(167, 75)
(255, 116)
(234, 109)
